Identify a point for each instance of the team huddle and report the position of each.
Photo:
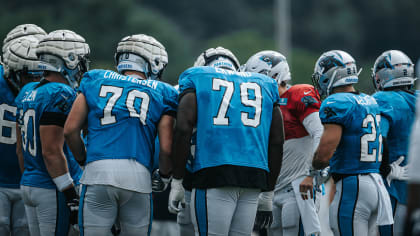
(241, 149)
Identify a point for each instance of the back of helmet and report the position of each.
(65, 52)
(334, 69)
(393, 69)
(141, 53)
(218, 57)
(20, 62)
(270, 63)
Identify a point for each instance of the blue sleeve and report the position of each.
(276, 96)
(334, 111)
(170, 100)
(62, 102)
(85, 83)
(186, 83)
(384, 126)
(385, 105)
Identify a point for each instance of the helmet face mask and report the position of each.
(270, 63)
(392, 69)
(334, 69)
(65, 52)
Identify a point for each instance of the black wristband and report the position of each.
(164, 176)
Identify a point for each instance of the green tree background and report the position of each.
(187, 27)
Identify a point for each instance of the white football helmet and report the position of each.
(334, 69)
(21, 31)
(270, 63)
(392, 69)
(65, 52)
(218, 57)
(20, 61)
(141, 53)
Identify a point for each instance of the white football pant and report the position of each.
(224, 211)
(12, 213)
(103, 205)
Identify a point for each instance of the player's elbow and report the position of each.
(183, 128)
(70, 130)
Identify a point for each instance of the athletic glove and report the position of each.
(159, 182)
(321, 178)
(397, 172)
(72, 202)
(176, 196)
(265, 210)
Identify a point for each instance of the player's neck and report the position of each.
(56, 77)
(135, 73)
(344, 89)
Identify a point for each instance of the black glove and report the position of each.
(263, 220)
(264, 217)
(159, 182)
(72, 202)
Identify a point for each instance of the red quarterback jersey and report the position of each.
(296, 104)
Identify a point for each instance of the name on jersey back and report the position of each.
(113, 75)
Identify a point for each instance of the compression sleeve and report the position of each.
(314, 127)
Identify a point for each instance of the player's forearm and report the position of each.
(20, 159)
(165, 130)
(56, 163)
(275, 147)
(76, 145)
(275, 158)
(185, 122)
(180, 152)
(320, 162)
(327, 145)
(19, 152)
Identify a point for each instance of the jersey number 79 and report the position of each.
(221, 118)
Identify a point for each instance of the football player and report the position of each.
(299, 105)
(19, 67)
(186, 226)
(351, 145)
(239, 144)
(50, 171)
(123, 112)
(412, 220)
(393, 77)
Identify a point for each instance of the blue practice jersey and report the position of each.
(38, 104)
(234, 112)
(9, 165)
(360, 147)
(398, 113)
(123, 115)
